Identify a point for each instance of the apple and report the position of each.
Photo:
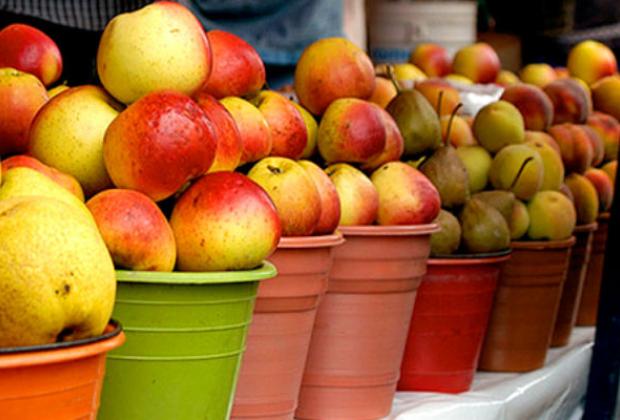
(433, 88)
(351, 130)
(237, 69)
(56, 90)
(604, 188)
(312, 130)
(544, 137)
(575, 146)
(598, 146)
(68, 133)
(591, 60)
(229, 144)
(406, 75)
(384, 92)
(330, 203)
(538, 74)
(394, 144)
(608, 128)
(66, 181)
(253, 128)
(332, 68)
(27, 49)
(610, 169)
(134, 229)
(478, 62)
(432, 59)
(159, 143)
(552, 216)
(406, 196)
(477, 161)
(21, 96)
(517, 168)
(519, 220)
(359, 199)
(293, 192)
(506, 78)
(160, 46)
(586, 198)
(606, 95)
(533, 104)
(224, 222)
(289, 134)
(553, 168)
(460, 133)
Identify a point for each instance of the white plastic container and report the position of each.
(396, 27)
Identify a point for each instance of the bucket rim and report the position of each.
(542, 245)
(391, 230)
(590, 227)
(319, 241)
(471, 259)
(265, 271)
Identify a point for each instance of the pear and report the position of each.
(417, 121)
(502, 201)
(484, 228)
(448, 239)
(447, 172)
(57, 279)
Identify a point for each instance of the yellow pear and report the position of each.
(57, 280)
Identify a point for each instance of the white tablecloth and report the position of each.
(554, 392)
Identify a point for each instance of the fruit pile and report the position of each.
(188, 163)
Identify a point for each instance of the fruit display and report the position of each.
(198, 173)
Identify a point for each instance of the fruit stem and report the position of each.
(392, 76)
(521, 169)
(439, 103)
(274, 169)
(446, 140)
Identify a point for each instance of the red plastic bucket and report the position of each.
(279, 336)
(449, 322)
(59, 381)
(362, 323)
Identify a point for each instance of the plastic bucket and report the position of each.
(59, 381)
(526, 305)
(186, 334)
(362, 323)
(449, 322)
(588, 307)
(571, 293)
(279, 336)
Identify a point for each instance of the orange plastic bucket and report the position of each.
(362, 323)
(449, 322)
(588, 306)
(279, 336)
(571, 293)
(526, 306)
(55, 381)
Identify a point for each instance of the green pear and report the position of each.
(519, 221)
(517, 168)
(502, 201)
(484, 228)
(57, 279)
(448, 239)
(552, 216)
(448, 174)
(477, 162)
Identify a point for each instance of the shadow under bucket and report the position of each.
(526, 306)
(279, 336)
(60, 381)
(449, 322)
(362, 323)
(186, 333)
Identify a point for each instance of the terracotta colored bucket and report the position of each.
(449, 322)
(588, 307)
(186, 334)
(525, 307)
(361, 326)
(279, 336)
(571, 293)
(58, 381)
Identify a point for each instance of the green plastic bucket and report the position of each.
(186, 334)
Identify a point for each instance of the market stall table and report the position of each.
(555, 391)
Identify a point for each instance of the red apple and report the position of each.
(64, 180)
(287, 127)
(229, 144)
(432, 59)
(603, 185)
(253, 127)
(158, 144)
(478, 62)
(359, 200)
(223, 222)
(351, 130)
(575, 146)
(330, 203)
(406, 196)
(29, 50)
(237, 68)
(21, 96)
(598, 147)
(134, 229)
(394, 144)
(293, 192)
